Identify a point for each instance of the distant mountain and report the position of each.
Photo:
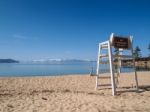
(77, 60)
(61, 60)
(8, 61)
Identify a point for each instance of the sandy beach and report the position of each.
(73, 93)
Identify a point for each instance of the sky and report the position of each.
(69, 29)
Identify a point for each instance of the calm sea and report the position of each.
(49, 69)
(45, 69)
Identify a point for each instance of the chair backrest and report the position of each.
(120, 42)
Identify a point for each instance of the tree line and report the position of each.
(137, 52)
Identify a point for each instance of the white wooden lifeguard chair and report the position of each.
(120, 43)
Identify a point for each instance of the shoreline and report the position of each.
(62, 75)
(40, 76)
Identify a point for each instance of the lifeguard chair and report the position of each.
(120, 44)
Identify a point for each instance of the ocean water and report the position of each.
(50, 69)
(45, 69)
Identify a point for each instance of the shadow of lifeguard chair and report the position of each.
(120, 44)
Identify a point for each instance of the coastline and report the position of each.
(72, 93)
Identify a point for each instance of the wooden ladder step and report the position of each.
(103, 62)
(104, 56)
(123, 56)
(105, 46)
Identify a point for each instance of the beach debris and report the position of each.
(66, 90)
(43, 98)
(91, 73)
(9, 105)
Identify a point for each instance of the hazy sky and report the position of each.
(36, 29)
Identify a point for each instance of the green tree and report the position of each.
(149, 49)
(137, 52)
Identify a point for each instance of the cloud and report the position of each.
(23, 37)
(20, 37)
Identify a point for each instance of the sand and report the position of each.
(73, 93)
